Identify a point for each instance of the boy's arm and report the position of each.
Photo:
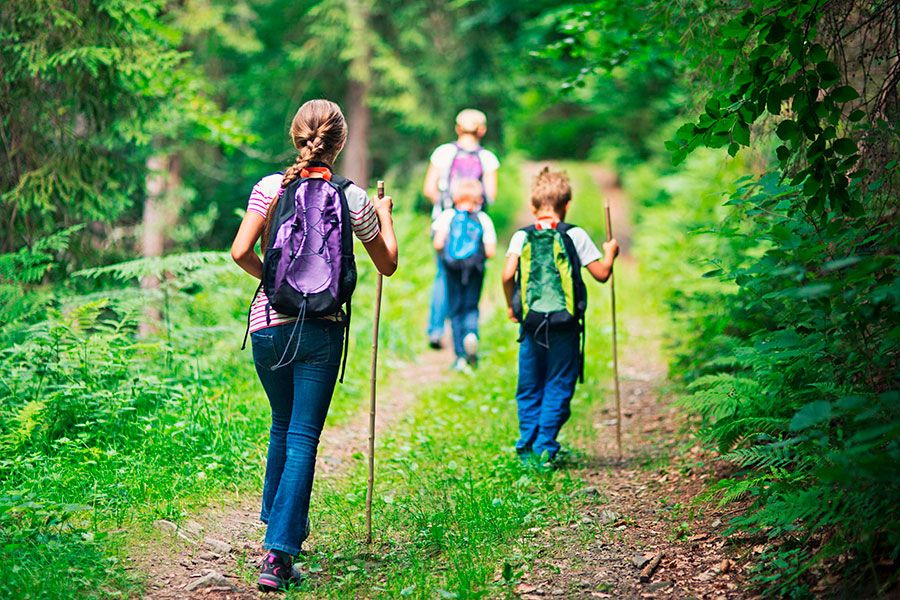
(509, 283)
(602, 269)
(490, 235)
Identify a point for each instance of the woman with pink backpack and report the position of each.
(300, 315)
(455, 161)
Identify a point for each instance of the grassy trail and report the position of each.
(456, 514)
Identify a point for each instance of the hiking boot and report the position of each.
(461, 365)
(277, 574)
(470, 343)
(434, 342)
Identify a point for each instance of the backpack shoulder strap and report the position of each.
(340, 182)
(569, 244)
(580, 290)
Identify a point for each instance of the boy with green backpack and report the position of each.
(546, 296)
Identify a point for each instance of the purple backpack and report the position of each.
(466, 165)
(309, 269)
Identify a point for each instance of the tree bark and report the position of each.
(160, 213)
(356, 163)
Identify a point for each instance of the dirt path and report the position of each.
(205, 556)
(641, 507)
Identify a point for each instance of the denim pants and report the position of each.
(299, 394)
(437, 315)
(547, 378)
(463, 294)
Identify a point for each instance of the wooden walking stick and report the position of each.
(615, 350)
(372, 377)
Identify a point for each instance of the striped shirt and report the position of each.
(363, 220)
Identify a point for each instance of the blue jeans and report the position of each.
(547, 378)
(463, 294)
(437, 316)
(299, 394)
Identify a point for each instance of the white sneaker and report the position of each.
(470, 343)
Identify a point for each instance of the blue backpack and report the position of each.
(464, 249)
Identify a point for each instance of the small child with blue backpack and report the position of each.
(465, 238)
(546, 296)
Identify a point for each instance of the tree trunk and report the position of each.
(160, 213)
(355, 163)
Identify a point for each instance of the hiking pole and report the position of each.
(371, 484)
(615, 350)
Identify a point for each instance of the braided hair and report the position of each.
(318, 132)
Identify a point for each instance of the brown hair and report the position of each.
(551, 189)
(318, 132)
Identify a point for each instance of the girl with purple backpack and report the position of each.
(306, 218)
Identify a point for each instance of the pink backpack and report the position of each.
(466, 165)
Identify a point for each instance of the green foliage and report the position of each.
(78, 82)
(789, 343)
(774, 65)
(789, 348)
(100, 427)
(57, 536)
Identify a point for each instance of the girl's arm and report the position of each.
(383, 248)
(242, 247)
(430, 189)
(489, 180)
(509, 283)
(440, 238)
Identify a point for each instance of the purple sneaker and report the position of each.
(277, 573)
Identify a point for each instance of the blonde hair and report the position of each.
(470, 120)
(551, 189)
(318, 132)
(467, 187)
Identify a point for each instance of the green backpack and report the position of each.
(550, 293)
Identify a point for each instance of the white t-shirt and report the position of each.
(442, 225)
(584, 246)
(442, 159)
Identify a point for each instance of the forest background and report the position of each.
(759, 140)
